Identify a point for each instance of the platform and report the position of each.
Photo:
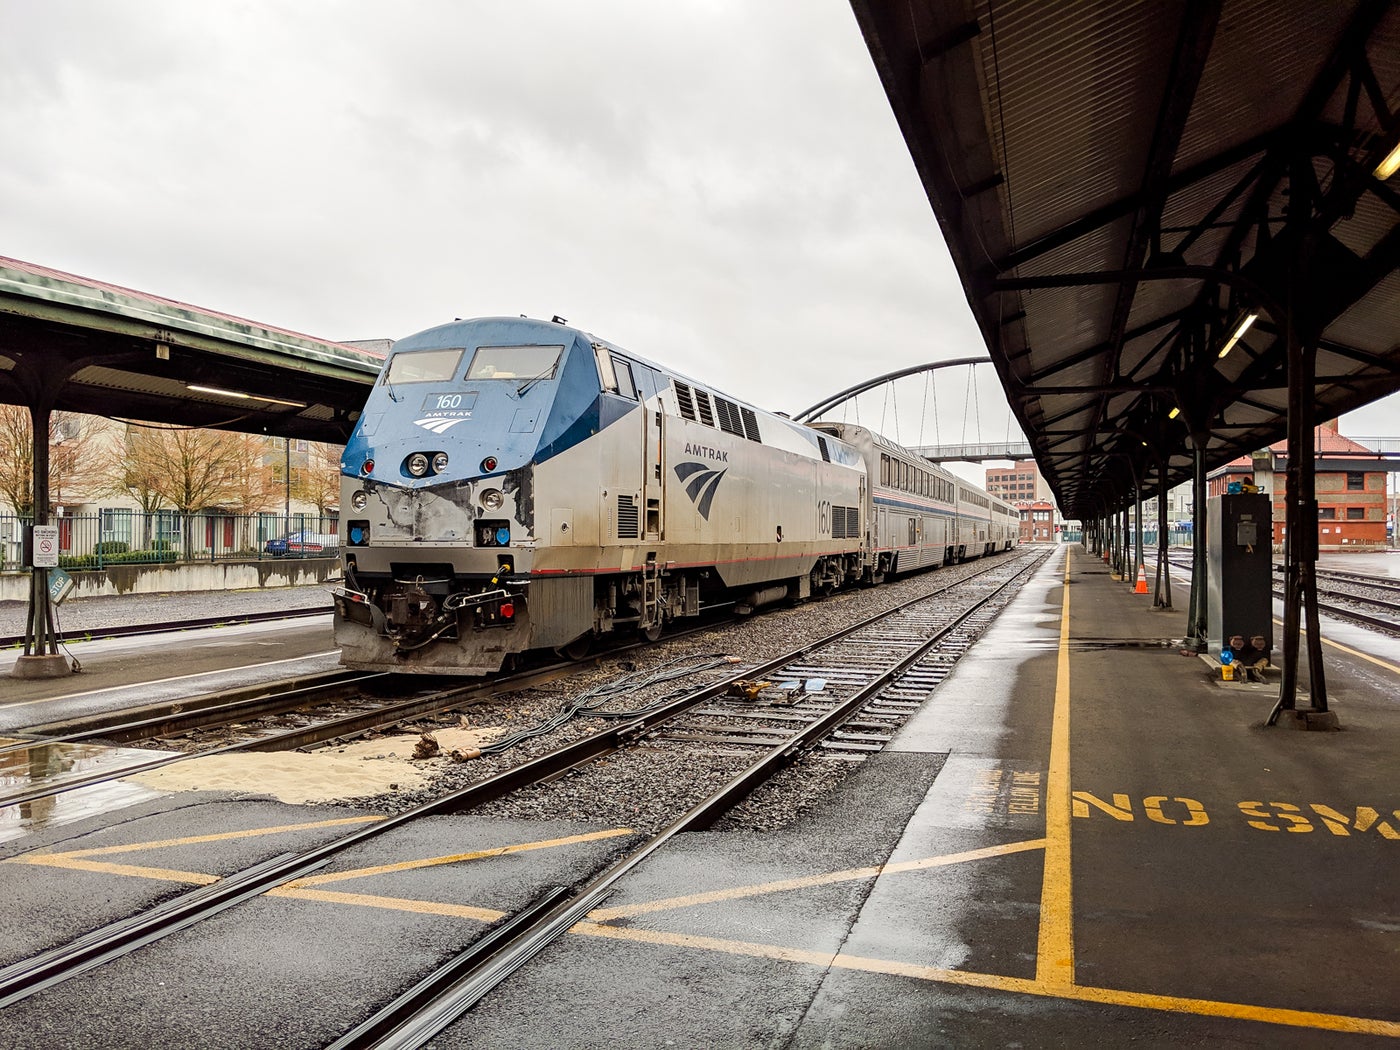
(1111, 848)
(1083, 839)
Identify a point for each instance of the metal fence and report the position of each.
(126, 537)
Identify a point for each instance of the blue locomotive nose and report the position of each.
(477, 399)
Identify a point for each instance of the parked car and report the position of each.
(304, 543)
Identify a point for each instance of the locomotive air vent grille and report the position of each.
(702, 402)
(845, 523)
(729, 420)
(683, 400)
(750, 424)
(626, 518)
(826, 452)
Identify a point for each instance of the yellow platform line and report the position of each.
(824, 879)
(57, 860)
(369, 900)
(222, 836)
(996, 982)
(1055, 943)
(1355, 652)
(455, 858)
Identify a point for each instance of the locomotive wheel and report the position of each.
(650, 633)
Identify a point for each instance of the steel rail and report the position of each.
(417, 1016)
(54, 966)
(181, 716)
(22, 979)
(93, 634)
(306, 736)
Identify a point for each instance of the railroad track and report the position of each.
(247, 717)
(1389, 620)
(88, 634)
(356, 714)
(908, 638)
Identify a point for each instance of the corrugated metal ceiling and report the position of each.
(1082, 158)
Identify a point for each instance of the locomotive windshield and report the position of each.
(423, 366)
(515, 362)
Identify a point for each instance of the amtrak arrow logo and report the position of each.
(437, 426)
(702, 484)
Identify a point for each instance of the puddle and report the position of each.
(46, 763)
(1090, 645)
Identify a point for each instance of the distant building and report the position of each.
(1022, 481)
(1350, 481)
(1179, 508)
(1037, 521)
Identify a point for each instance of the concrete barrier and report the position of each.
(194, 576)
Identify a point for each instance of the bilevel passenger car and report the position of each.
(515, 484)
(922, 516)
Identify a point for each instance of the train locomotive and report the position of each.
(515, 484)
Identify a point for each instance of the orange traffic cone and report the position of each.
(1141, 587)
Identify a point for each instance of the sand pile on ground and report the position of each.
(367, 767)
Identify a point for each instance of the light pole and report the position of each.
(287, 498)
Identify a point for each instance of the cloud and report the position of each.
(717, 186)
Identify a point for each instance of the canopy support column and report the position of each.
(1162, 591)
(41, 658)
(1196, 630)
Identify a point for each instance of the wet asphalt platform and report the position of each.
(1084, 838)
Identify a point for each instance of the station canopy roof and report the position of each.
(1122, 185)
(86, 346)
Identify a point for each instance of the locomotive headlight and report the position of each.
(492, 499)
(417, 464)
(439, 462)
(358, 499)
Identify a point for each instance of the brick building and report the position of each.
(1037, 521)
(1018, 483)
(1351, 490)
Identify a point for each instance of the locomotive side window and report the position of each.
(423, 366)
(515, 362)
(625, 386)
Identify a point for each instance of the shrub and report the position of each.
(107, 547)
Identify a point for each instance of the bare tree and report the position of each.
(252, 482)
(17, 459)
(319, 482)
(187, 470)
(76, 470)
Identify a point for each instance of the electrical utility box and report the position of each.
(1240, 567)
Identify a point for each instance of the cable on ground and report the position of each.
(591, 701)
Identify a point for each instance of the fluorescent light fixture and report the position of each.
(1174, 413)
(1388, 167)
(1249, 319)
(240, 395)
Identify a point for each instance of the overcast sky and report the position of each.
(718, 186)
